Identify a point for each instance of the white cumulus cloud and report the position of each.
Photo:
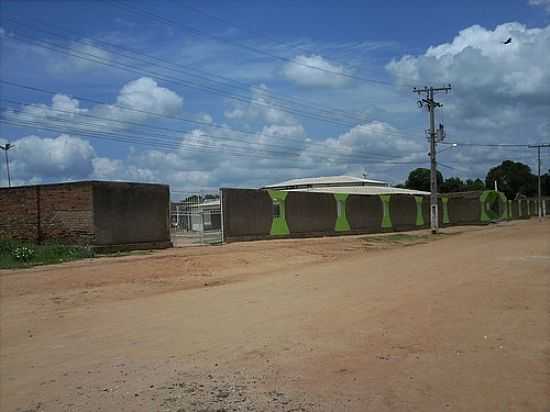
(145, 94)
(83, 57)
(478, 61)
(315, 71)
(62, 157)
(501, 92)
(138, 101)
(260, 108)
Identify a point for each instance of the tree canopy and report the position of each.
(419, 179)
(512, 178)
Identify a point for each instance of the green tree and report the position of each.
(512, 178)
(452, 184)
(474, 185)
(419, 179)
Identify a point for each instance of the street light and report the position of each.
(5, 148)
(452, 146)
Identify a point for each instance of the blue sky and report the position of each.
(225, 93)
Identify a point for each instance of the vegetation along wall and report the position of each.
(264, 214)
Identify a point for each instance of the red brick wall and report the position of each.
(18, 217)
(66, 213)
(61, 213)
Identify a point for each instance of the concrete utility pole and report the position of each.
(539, 195)
(5, 148)
(434, 137)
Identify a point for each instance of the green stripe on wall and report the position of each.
(386, 218)
(444, 202)
(419, 214)
(278, 224)
(342, 224)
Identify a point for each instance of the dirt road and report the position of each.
(461, 323)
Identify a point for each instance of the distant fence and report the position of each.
(196, 219)
(263, 214)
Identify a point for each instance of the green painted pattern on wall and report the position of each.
(419, 214)
(444, 202)
(487, 199)
(491, 200)
(342, 224)
(386, 218)
(278, 225)
(483, 200)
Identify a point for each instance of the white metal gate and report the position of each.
(196, 220)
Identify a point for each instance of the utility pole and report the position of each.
(5, 148)
(539, 194)
(434, 137)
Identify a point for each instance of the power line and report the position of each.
(128, 108)
(489, 144)
(142, 57)
(198, 32)
(185, 83)
(125, 67)
(138, 124)
(98, 60)
(163, 135)
(137, 140)
(72, 122)
(165, 116)
(170, 146)
(449, 167)
(260, 33)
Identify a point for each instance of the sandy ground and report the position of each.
(461, 323)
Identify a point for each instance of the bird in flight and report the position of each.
(508, 41)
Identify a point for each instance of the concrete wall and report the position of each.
(463, 208)
(130, 213)
(307, 215)
(404, 212)
(249, 214)
(361, 222)
(100, 214)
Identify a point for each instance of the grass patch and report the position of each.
(17, 254)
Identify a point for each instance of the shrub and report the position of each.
(23, 253)
(15, 253)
